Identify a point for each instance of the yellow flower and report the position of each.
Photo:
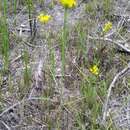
(107, 27)
(68, 3)
(44, 18)
(94, 70)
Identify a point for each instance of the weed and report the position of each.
(27, 73)
(30, 8)
(5, 38)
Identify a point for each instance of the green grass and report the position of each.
(29, 4)
(27, 71)
(64, 41)
(4, 38)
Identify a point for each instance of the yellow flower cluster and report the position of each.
(68, 3)
(44, 18)
(94, 70)
(107, 27)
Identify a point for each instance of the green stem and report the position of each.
(5, 8)
(64, 41)
(15, 10)
(5, 45)
(29, 4)
(63, 48)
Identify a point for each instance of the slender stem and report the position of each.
(64, 41)
(29, 4)
(5, 8)
(15, 10)
(63, 48)
(5, 38)
(30, 19)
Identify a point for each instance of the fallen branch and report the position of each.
(118, 75)
(8, 128)
(117, 43)
(25, 100)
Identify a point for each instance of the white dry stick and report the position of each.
(37, 76)
(6, 125)
(118, 75)
(11, 107)
(26, 100)
(16, 59)
(31, 93)
(117, 43)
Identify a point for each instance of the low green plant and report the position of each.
(107, 7)
(82, 46)
(64, 41)
(91, 103)
(30, 14)
(90, 8)
(52, 64)
(27, 71)
(4, 34)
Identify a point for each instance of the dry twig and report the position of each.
(117, 43)
(118, 75)
(25, 100)
(8, 128)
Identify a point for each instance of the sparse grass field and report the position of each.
(64, 65)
